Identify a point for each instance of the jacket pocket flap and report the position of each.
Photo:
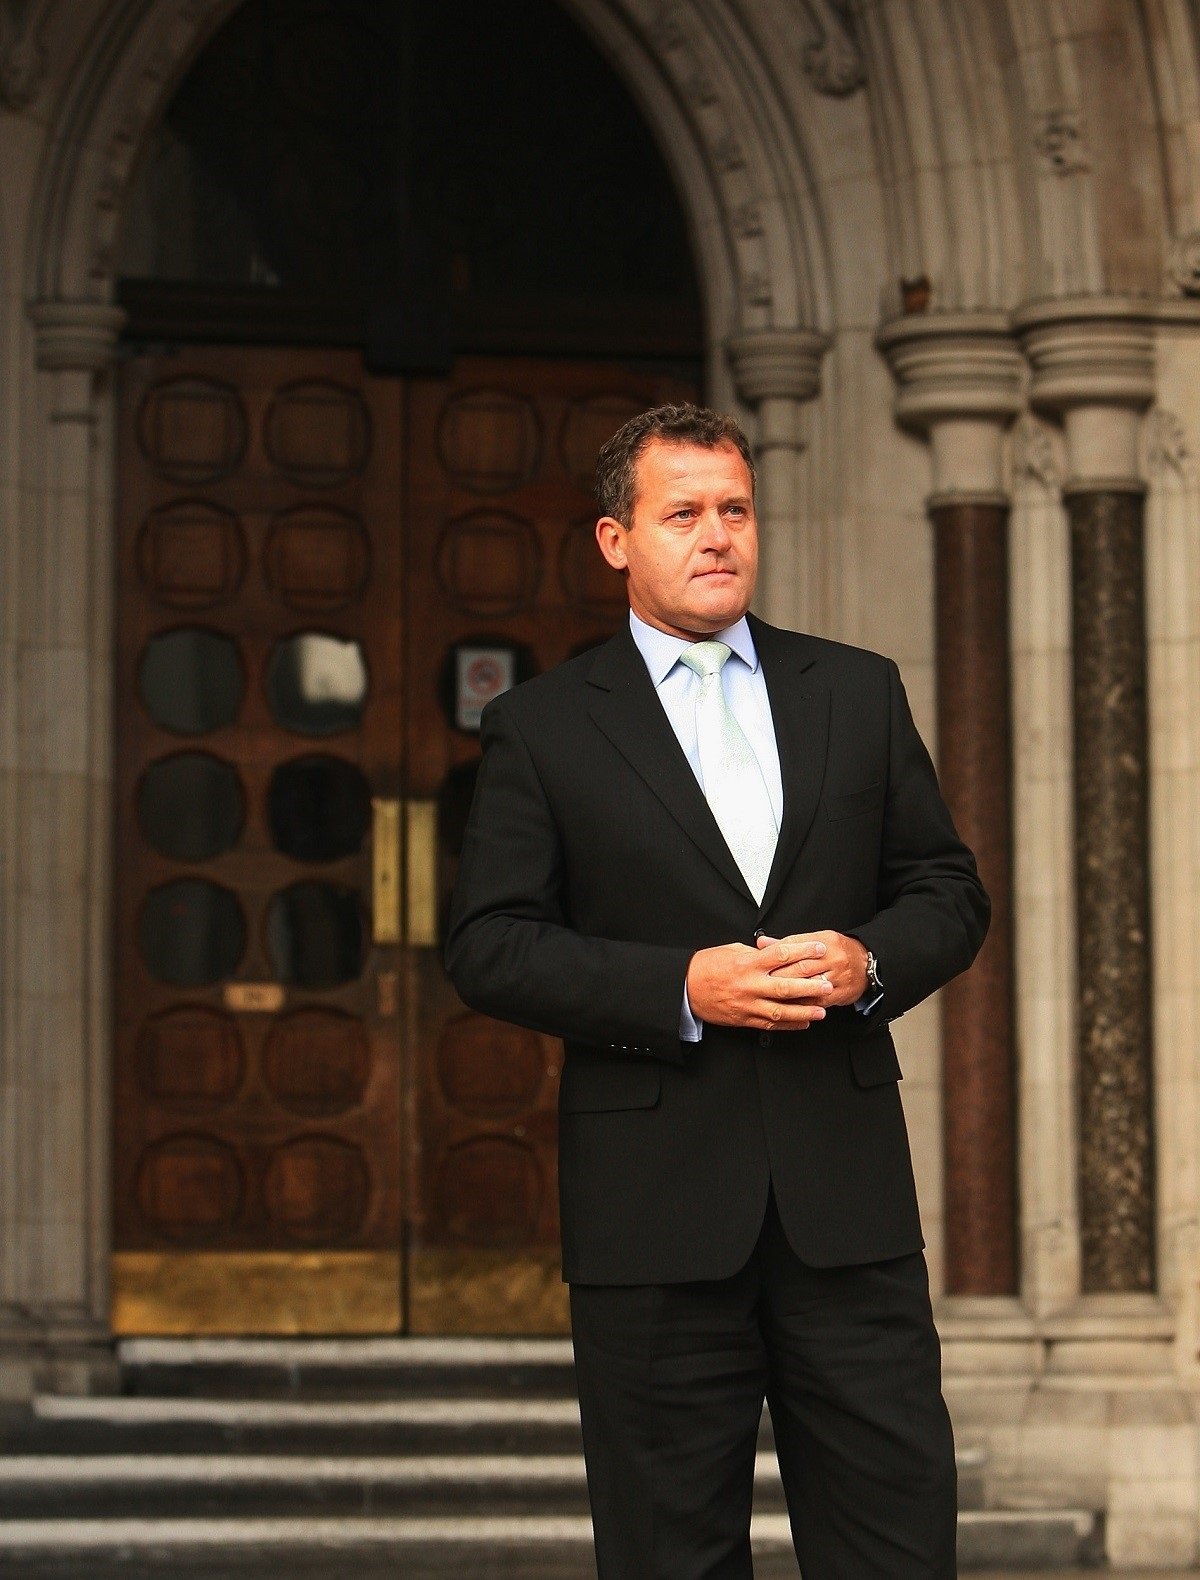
(598, 1085)
(849, 805)
(874, 1061)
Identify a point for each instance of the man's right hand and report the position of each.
(736, 985)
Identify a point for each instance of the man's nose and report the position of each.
(716, 533)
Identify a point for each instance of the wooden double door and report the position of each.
(322, 578)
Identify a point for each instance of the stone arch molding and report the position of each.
(696, 71)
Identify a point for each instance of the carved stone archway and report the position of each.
(700, 76)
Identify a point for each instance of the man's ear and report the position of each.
(610, 535)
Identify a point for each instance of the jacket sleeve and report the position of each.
(511, 951)
(933, 912)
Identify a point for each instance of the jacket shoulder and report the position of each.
(838, 658)
(544, 694)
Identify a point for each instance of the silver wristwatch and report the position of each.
(874, 985)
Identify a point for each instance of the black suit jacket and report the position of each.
(592, 870)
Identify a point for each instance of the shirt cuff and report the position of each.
(690, 1029)
(868, 1002)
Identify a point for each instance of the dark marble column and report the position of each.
(1116, 1156)
(974, 738)
(959, 381)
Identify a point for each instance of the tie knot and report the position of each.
(705, 658)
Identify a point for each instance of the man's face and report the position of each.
(691, 551)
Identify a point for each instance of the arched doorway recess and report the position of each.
(755, 253)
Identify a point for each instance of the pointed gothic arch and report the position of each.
(699, 79)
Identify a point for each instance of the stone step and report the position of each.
(120, 1486)
(346, 1368)
(376, 1429)
(432, 1457)
(1030, 1539)
(98, 1425)
(530, 1546)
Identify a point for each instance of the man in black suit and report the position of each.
(713, 857)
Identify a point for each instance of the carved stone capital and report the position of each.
(958, 381)
(777, 364)
(949, 366)
(1089, 351)
(77, 336)
(1092, 360)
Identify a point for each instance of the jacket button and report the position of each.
(760, 932)
(765, 1039)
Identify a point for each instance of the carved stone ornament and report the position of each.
(727, 154)
(832, 59)
(23, 57)
(1165, 448)
(1034, 458)
(747, 221)
(1060, 142)
(702, 88)
(1183, 263)
(667, 31)
(756, 290)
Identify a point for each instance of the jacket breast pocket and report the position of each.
(852, 803)
(596, 1085)
(874, 1061)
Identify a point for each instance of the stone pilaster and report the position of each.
(958, 380)
(54, 1076)
(1093, 363)
(776, 371)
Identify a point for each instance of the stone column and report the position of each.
(54, 1078)
(776, 371)
(1093, 363)
(958, 380)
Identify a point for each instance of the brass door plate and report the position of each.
(385, 870)
(253, 998)
(242, 1292)
(458, 1291)
(420, 832)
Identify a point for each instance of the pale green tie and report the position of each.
(730, 773)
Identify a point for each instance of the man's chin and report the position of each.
(717, 614)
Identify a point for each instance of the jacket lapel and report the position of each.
(624, 705)
(800, 705)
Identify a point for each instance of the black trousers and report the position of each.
(672, 1379)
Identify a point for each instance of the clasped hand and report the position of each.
(782, 984)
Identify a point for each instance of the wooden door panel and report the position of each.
(291, 1110)
(257, 1138)
(499, 523)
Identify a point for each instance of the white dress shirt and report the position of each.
(746, 695)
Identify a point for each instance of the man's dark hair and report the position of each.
(616, 465)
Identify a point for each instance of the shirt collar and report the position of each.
(661, 651)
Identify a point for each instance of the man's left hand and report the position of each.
(845, 963)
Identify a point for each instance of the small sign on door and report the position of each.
(481, 673)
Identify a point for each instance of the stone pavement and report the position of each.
(316, 1567)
